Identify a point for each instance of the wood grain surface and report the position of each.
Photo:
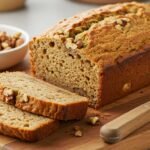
(64, 140)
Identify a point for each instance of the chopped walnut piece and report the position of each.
(17, 35)
(93, 120)
(8, 42)
(9, 96)
(70, 44)
(126, 87)
(8, 92)
(119, 27)
(4, 45)
(77, 131)
(24, 98)
(122, 23)
(140, 12)
(9, 99)
(19, 42)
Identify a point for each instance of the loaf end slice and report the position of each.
(36, 96)
(24, 125)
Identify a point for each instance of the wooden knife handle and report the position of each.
(125, 124)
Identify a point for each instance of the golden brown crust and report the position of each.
(129, 70)
(29, 135)
(84, 18)
(116, 43)
(54, 110)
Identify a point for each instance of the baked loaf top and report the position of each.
(34, 95)
(24, 125)
(104, 34)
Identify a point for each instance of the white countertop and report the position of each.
(38, 15)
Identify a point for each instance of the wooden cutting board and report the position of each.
(64, 140)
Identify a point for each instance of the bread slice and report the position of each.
(99, 54)
(36, 96)
(24, 125)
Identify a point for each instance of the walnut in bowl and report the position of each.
(13, 46)
(8, 42)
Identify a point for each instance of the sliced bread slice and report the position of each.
(36, 96)
(24, 125)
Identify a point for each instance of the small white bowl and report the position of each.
(9, 58)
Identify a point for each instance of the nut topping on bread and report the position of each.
(70, 44)
(8, 92)
(122, 23)
(9, 96)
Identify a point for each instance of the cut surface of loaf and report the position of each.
(103, 53)
(24, 125)
(36, 96)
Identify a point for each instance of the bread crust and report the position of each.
(54, 110)
(133, 69)
(84, 18)
(29, 135)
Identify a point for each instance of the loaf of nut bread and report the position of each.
(36, 96)
(24, 125)
(103, 53)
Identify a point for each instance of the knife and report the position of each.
(122, 126)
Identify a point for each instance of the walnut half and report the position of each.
(122, 23)
(23, 98)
